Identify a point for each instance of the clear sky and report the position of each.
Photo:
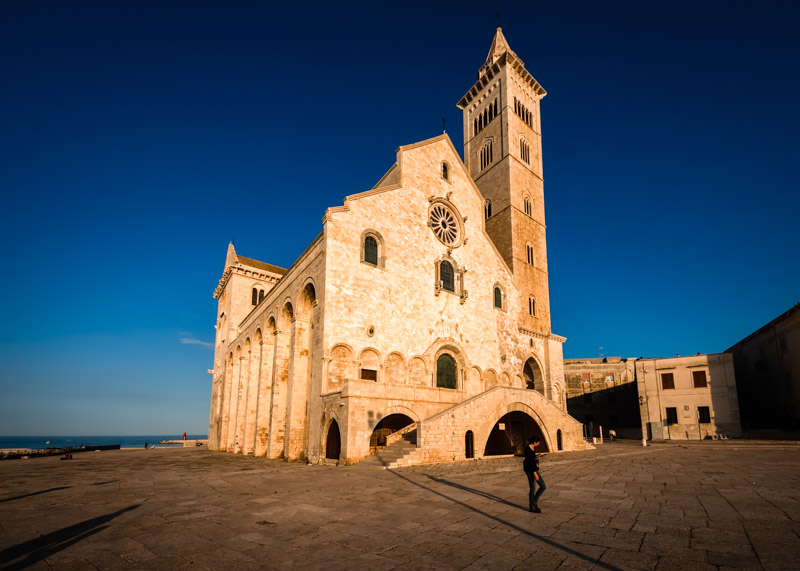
(137, 138)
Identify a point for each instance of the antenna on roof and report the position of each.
(444, 122)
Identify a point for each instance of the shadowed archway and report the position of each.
(388, 425)
(510, 435)
(532, 373)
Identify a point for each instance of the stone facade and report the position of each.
(602, 393)
(688, 398)
(767, 365)
(411, 311)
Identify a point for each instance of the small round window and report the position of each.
(444, 224)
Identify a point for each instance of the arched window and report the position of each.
(529, 252)
(261, 296)
(445, 171)
(469, 445)
(487, 206)
(447, 276)
(258, 295)
(531, 306)
(524, 150)
(371, 250)
(446, 372)
(498, 297)
(486, 154)
(528, 206)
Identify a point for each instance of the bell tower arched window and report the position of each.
(527, 205)
(487, 206)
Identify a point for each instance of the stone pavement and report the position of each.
(622, 506)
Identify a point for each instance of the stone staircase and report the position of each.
(396, 451)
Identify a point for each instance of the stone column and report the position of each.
(280, 377)
(298, 389)
(251, 406)
(236, 383)
(241, 405)
(264, 403)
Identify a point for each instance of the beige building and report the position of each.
(420, 314)
(767, 364)
(688, 398)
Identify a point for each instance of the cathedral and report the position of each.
(418, 319)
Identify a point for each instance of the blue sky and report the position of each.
(138, 138)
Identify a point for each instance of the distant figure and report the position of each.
(184, 436)
(531, 467)
(612, 434)
(145, 445)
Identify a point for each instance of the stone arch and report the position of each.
(533, 375)
(369, 364)
(389, 421)
(472, 382)
(418, 372)
(485, 433)
(489, 379)
(306, 300)
(286, 315)
(341, 364)
(505, 379)
(395, 370)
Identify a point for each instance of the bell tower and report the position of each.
(502, 151)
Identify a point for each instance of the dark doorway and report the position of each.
(469, 445)
(333, 444)
(558, 440)
(388, 425)
(511, 433)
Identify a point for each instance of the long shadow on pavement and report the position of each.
(35, 493)
(486, 495)
(46, 545)
(545, 540)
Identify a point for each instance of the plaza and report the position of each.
(703, 505)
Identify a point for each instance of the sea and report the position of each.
(42, 442)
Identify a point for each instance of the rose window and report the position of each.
(444, 224)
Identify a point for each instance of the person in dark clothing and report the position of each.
(531, 467)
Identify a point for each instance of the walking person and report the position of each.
(531, 467)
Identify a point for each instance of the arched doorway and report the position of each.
(532, 373)
(388, 425)
(469, 445)
(510, 435)
(333, 443)
(558, 440)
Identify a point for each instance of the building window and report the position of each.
(258, 295)
(672, 415)
(524, 150)
(667, 381)
(529, 252)
(369, 374)
(446, 276)
(528, 206)
(699, 379)
(531, 306)
(446, 372)
(703, 415)
(498, 298)
(610, 378)
(445, 171)
(371, 250)
(487, 206)
(486, 154)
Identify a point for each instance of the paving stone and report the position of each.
(177, 509)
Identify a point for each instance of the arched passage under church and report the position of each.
(511, 433)
(532, 373)
(388, 425)
(333, 442)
